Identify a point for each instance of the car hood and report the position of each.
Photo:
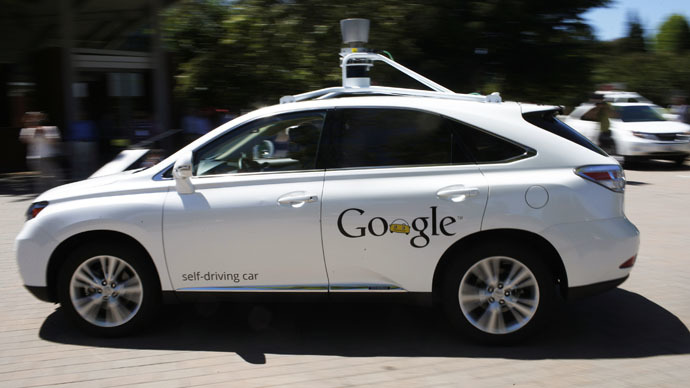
(651, 126)
(83, 188)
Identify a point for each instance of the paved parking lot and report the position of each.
(635, 336)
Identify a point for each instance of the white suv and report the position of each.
(638, 132)
(494, 210)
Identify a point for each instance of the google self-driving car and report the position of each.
(493, 210)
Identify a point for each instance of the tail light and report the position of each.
(608, 175)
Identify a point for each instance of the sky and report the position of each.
(610, 23)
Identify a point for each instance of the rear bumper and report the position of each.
(593, 251)
(594, 289)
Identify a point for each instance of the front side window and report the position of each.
(385, 137)
(286, 142)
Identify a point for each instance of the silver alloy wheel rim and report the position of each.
(498, 295)
(106, 291)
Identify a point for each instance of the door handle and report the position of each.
(297, 199)
(457, 193)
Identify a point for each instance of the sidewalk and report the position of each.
(17, 183)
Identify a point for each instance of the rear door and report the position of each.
(399, 190)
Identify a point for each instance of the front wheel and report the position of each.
(108, 290)
(499, 294)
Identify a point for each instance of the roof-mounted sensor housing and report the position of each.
(356, 61)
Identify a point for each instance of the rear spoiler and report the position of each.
(531, 108)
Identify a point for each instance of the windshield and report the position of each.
(637, 113)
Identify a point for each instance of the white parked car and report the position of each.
(638, 131)
(622, 96)
(494, 210)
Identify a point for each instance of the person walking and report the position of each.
(41, 152)
(603, 115)
(680, 109)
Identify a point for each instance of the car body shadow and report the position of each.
(655, 165)
(618, 324)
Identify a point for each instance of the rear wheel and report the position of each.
(108, 289)
(499, 294)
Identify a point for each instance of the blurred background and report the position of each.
(112, 75)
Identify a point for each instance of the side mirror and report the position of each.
(182, 172)
(263, 150)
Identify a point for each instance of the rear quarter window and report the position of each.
(547, 120)
(488, 148)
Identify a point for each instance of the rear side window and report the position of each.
(485, 147)
(383, 137)
(546, 120)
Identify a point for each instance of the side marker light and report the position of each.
(628, 263)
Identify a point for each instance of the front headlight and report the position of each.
(34, 209)
(643, 135)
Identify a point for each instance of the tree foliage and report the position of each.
(238, 53)
(634, 41)
(674, 35)
(658, 75)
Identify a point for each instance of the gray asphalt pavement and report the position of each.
(634, 336)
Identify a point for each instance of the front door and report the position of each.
(252, 223)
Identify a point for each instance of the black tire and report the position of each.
(679, 160)
(109, 310)
(469, 316)
(631, 161)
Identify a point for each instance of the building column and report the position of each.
(67, 68)
(161, 100)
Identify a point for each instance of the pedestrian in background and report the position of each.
(195, 124)
(681, 109)
(603, 115)
(42, 150)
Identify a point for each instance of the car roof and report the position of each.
(620, 93)
(632, 104)
(412, 102)
(476, 113)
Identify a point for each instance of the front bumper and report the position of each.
(641, 147)
(33, 247)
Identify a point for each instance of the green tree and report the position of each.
(658, 74)
(674, 35)
(194, 27)
(634, 40)
(535, 50)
